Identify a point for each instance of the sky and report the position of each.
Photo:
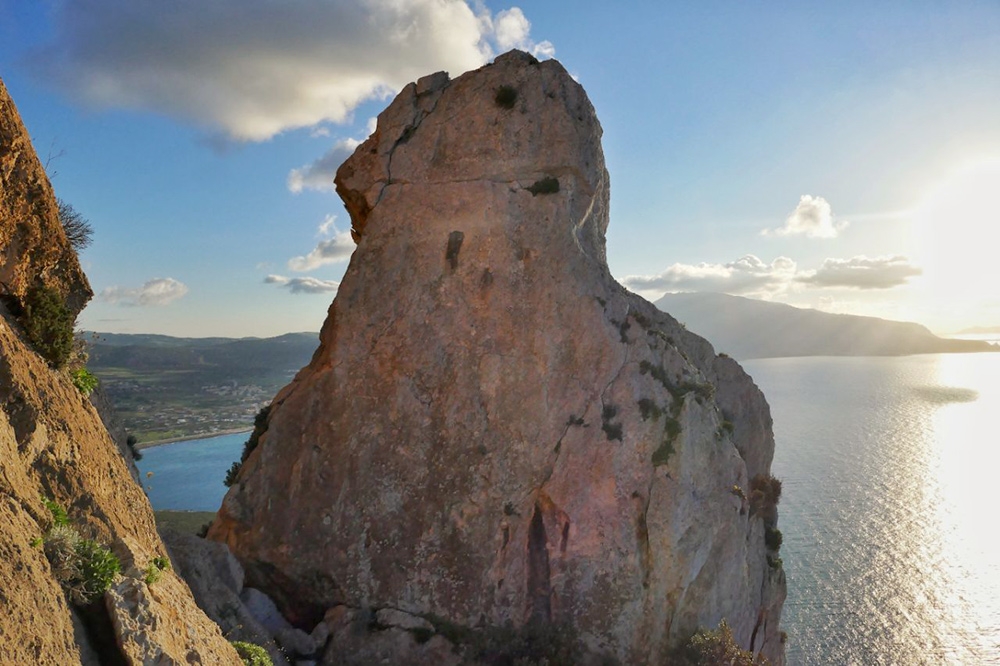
(840, 156)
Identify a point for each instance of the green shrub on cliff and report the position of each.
(84, 380)
(48, 324)
(713, 648)
(252, 655)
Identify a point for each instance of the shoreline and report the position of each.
(187, 438)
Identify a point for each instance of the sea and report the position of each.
(889, 509)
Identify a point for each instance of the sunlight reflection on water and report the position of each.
(890, 545)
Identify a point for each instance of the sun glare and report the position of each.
(957, 227)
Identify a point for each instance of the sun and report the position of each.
(957, 241)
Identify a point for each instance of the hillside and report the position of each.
(165, 387)
(749, 328)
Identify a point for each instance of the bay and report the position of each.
(888, 466)
(187, 476)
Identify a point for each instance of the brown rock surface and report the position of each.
(53, 445)
(33, 247)
(493, 429)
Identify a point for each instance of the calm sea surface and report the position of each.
(891, 540)
(188, 476)
(889, 510)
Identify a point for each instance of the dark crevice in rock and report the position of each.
(539, 584)
(455, 239)
(100, 633)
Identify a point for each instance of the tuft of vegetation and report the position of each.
(728, 426)
(48, 324)
(661, 456)
(713, 648)
(232, 473)
(84, 381)
(657, 372)
(78, 231)
(155, 568)
(738, 491)
(774, 562)
(765, 493)
(772, 538)
(648, 409)
(547, 185)
(259, 428)
(611, 429)
(131, 441)
(252, 654)
(574, 420)
(84, 567)
(59, 516)
(623, 329)
(505, 97)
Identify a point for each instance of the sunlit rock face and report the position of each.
(33, 248)
(492, 428)
(53, 445)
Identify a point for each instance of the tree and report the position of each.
(77, 227)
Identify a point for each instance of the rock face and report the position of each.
(493, 430)
(33, 247)
(53, 445)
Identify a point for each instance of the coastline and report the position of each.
(173, 440)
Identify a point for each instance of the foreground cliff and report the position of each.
(53, 447)
(494, 431)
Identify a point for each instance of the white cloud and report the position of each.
(329, 251)
(251, 69)
(812, 217)
(511, 29)
(155, 292)
(319, 175)
(862, 273)
(747, 275)
(303, 285)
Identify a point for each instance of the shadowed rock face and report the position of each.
(493, 429)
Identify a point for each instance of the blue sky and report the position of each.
(843, 156)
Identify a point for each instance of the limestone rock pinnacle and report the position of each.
(493, 430)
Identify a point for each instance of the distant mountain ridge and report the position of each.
(748, 328)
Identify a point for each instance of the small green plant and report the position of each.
(547, 185)
(505, 97)
(774, 562)
(155, 569)
(657, 372)
(738, 491)
(48, 324)
(84, 380)
(59, 517)
(98, 568)
(84, 567)
(728, 426)
(36, 542)
(252, 655)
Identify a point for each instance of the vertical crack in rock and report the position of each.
(539, 585)
(642, 537)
